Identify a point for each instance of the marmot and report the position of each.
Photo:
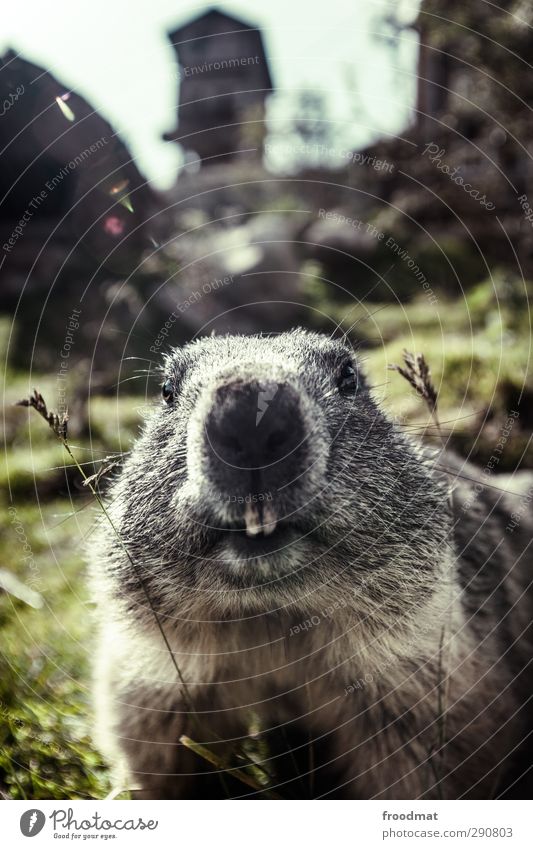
(317, 574)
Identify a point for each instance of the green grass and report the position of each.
(45, 708)
(45, 657)
(478, 348)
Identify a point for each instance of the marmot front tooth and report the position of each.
(270, 521)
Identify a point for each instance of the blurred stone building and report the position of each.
(224, 84)
(76, 214)
(457, 183)
(66, 179)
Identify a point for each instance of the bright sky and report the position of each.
(115, 53)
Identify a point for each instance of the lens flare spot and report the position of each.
(114, 226)
(65, 108)
(119, 187)
(126, 203)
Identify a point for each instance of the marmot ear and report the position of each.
(173, 368)
(172, 356)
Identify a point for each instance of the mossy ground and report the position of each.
(45, 653)
(45, 748)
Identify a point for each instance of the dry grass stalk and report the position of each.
(58, 423)
(418, 375)
(104, 470)
(222, 765)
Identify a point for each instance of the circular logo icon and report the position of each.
(32, 822)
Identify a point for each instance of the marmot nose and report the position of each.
(255, 426)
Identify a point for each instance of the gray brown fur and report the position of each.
(419, 589)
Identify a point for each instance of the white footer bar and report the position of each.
(264, 824)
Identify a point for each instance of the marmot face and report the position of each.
(267, 472)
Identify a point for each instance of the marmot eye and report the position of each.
(167, 391)
(347, 380)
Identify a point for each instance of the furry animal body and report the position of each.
(319, 577)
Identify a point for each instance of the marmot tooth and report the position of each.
(269, 521)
